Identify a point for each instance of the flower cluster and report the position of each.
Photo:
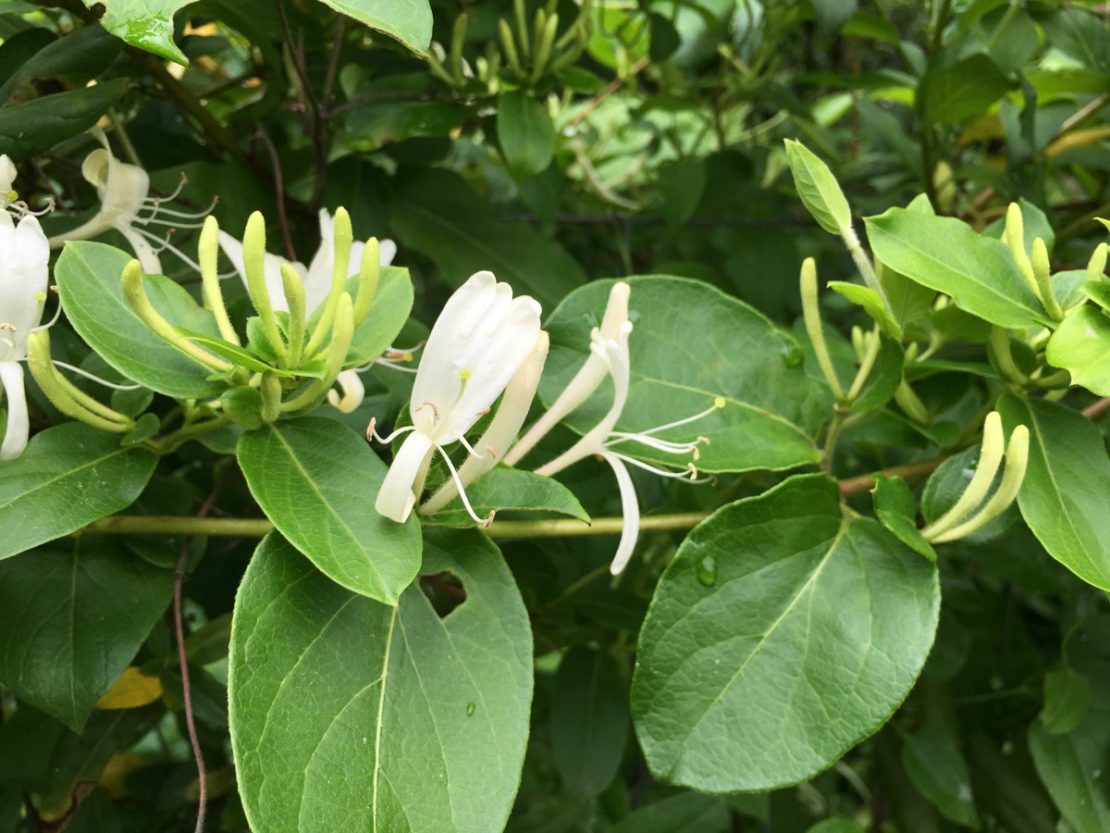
(485, 344)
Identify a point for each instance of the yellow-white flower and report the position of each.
(24, 274)
(476, 347)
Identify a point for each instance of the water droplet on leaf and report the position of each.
(706, 571)
(470, 709)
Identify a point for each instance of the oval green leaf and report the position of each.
(69, 476)
(1081, 345)
(945, 254)
(782, 634)
(1066, 491)
(347, 714)
(88, 276)
(316, 479)
(681, 363)
(526, 133)
(88, 610)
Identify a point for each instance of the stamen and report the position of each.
(718, 403)
(93, 377)
(372, 435)
(180, 185)
(429, 404)
(470, 449)
(688, 472)
(166, 245)
(485, 522)
(666, 446)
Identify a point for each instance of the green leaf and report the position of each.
(1097, 290)
(35, 126)
(589, 720)
(680, 813)
(681, 185)
(680, 364)
(409, 21)
(1067, 698)
(1072, 767)
(69, 476)
(945, 254)
(818, 188)
(897, 510)
(937, 768)
(388, 314)
(347, 714)
(836, 826)
(868, 298)
(504, 489)
(1081, 345)
(777, 613)
(1082, 35)
(960, 92)
(1067, 486)
(147, 24)
(88, 276)
(87, 610)
(80, 759)
(317, 480)
(525, 132)
(437, 214)
(76, 58)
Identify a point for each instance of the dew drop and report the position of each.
(470, 709)
(791, 353)
(706, 571)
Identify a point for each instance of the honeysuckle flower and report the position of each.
(124, 192)
(609, 350)
(317, 276)
(476, 346)
(24, 274)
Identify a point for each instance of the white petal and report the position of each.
(387, 250)
(396, 496)
(143, 251)
(616, 310)
(18, 427)
(630, 512)
(8, 174)
(24, 275)
(353, 392)
(503, 428)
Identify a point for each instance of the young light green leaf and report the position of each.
(388, 314)
(1081, 345)
(869, 299)
(680, 365)
(818, 188)
(1067, 486)
(526, 133)
(777, 612)
(409, 21)
(504, 489)
(88, 276)
(87, 608)
(945, 254)
(316, 479)
(69, 476)
(347, 714)
(147, 24)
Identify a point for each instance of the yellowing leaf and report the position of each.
(132, 690)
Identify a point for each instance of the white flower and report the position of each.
(24, 274)
(7, 177)
(476, 346)
(609, 352)
(124, 192)
(316, 276)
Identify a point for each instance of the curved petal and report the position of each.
(630, 512)
(143, 251)
(19, 426)
(353, 392)
(24, 276)
(396, 496)
(387, 250)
